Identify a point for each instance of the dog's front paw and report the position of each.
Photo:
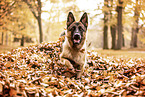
(67, 63)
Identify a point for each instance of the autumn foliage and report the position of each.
(35, 71)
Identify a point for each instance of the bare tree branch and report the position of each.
(39, 7)
(31, 8)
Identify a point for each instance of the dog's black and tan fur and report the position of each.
(74, 47)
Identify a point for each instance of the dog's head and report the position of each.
(76, 31)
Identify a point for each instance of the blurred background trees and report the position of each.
(123, 30)
(35, 7)
(113, 24)
(105, 32)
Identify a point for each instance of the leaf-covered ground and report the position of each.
(35, 71)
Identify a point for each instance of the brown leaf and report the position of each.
(12, 92)
(7, 64)
(143, 82)
(30, 93)
(1, 88)
(69, 95)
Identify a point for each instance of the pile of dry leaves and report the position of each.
(36, 71)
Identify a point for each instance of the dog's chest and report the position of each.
(77, 56)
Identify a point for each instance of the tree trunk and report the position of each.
(132, 37)
(6, 38)
(113, 34)
(22, 41)
(105, 29)
(135, 39)
(112, 28)
(40, 29)
(2, 38)
(123, 40)
(135, 27)
(133, 42)
(119, 24)
(39, 21)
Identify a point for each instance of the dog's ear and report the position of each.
(70, 19)
(84, 19)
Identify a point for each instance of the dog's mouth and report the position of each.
(77, 38)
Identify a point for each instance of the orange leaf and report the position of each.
(12, 92)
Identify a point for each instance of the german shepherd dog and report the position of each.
(74, 47)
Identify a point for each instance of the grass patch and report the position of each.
(125, 53)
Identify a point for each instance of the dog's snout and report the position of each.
(77, 36)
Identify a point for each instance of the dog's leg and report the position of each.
(80, 71)
(67, 63)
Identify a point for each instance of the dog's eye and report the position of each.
(73, 28)
(81, 29)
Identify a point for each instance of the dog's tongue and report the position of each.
(76, 41)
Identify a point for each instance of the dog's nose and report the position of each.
(77, 36)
